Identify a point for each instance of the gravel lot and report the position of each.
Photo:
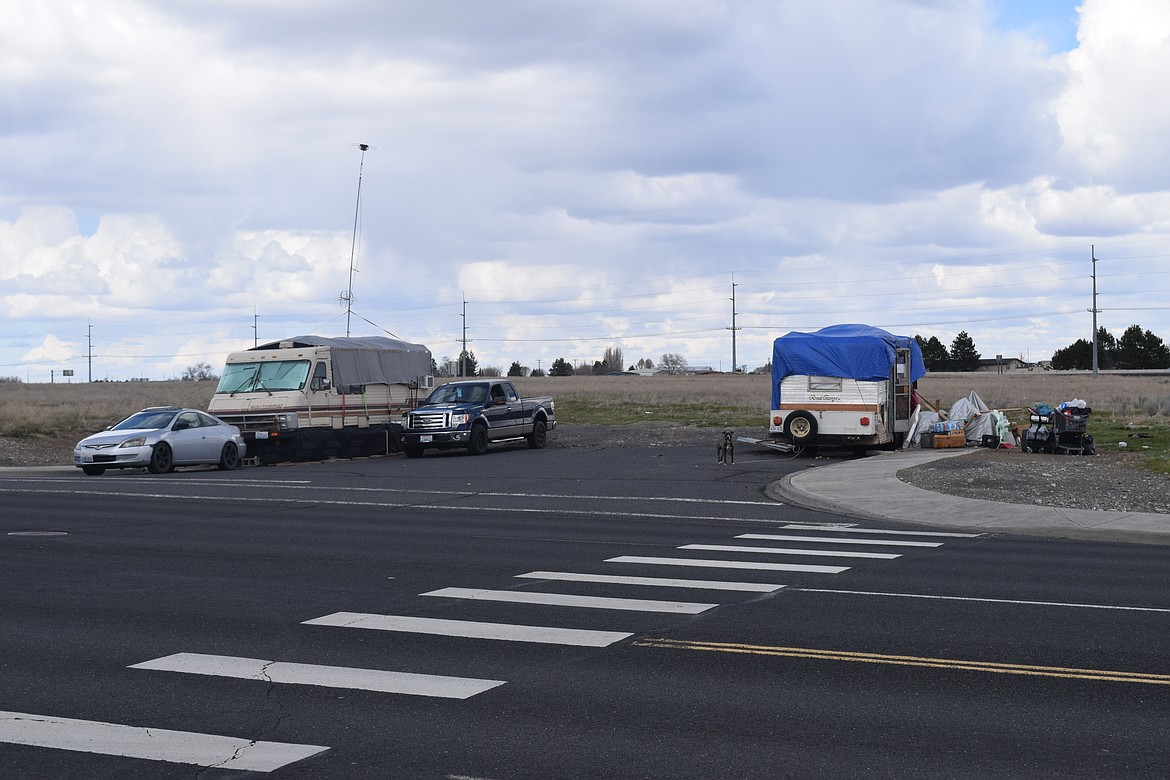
(1110, 480)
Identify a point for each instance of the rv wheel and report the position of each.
(801, 427)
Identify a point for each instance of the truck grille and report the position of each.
(428, 421)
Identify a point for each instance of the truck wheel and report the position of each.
(539, 436)
(162, 460)
(413, 452)
(477, 442)
(230, 457)
(94, 471)
(801, 427)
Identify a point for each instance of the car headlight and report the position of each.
(137, 441)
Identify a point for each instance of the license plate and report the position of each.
(425, 439)
(261, 434)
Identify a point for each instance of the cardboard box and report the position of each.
(954, 439)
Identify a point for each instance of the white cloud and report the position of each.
(180, 172)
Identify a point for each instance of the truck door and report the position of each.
(498, 412)
(319, 386)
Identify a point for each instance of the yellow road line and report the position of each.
(909, 660)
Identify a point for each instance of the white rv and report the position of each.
(846, 385)
(311, 397)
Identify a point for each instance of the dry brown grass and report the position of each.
(32, 409)
(711, 401)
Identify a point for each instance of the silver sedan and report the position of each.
(159, 439)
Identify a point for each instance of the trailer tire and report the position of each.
(801, 427)
(477, 442)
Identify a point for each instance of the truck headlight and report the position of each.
(287, 421)
(460, 419)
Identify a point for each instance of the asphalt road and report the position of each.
(249, 619)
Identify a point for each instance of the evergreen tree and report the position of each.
(561, 367)
(468, 365)
(516, 369)
(1077, 356)
(963, 354)
(934, 355)
(1141, 349)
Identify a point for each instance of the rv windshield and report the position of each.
(269, 376)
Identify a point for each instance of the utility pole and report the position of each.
(463, 354)
(1093, 255)
(89, 356)
(733, 328)
(255, 328)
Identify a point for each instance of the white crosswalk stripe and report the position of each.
(715, 564)
(785, 551)
(834, 540)
(660, 582)
(178, 747)
(325, 676)
(471, 629)
(563, 600)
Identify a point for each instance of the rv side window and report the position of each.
(825, 384)
(320, 382)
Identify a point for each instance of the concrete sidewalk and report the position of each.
(869, 488)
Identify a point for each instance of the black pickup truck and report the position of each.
(473, 413)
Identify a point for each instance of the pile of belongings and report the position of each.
(980, 424)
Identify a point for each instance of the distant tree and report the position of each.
(14, 380)
(612, 359)
(1106, 349)
(1139, 348)
(468, 365)
(537, 372)
(200, 372)
(764, 369)
(561, 367)
(645, 363)
(490, 371)
(934, 354)
(1077, 356)
(673, 363)
(517, 370)
(963, 354)
(443, 368)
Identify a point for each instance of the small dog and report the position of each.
(725, 449)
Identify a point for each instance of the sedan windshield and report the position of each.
(263, 377)
(145, 421)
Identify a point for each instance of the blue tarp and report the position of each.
(852, 351)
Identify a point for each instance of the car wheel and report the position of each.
(539, 436)
(162, 460)
(801, 427)
(94, 471)
(477, 442)
(230, 457)
(413, 452)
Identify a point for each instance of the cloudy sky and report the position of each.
(180, 178)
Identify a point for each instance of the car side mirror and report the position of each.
(181, 426)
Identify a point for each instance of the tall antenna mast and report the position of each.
(347, 296)
(1093, 255)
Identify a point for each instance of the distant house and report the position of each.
(1004, 365)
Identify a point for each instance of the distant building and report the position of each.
(1004, 365)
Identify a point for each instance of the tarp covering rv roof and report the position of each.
(366, 360)
(851, 351)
